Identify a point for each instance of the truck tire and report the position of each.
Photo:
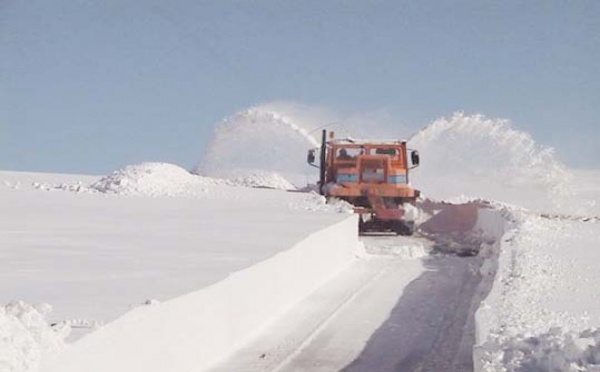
(405, 228)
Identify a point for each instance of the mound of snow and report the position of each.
(154, 179)
(26, 338)
(486, 158)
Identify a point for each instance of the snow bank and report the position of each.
(26, 338)
(194, 331)
(542, 311)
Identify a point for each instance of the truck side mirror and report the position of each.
(310, 157)
(414, 157)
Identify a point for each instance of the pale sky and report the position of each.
(90, 86)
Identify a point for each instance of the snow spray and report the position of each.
(464, 157)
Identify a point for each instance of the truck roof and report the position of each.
(352, 141)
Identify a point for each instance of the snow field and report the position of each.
(196, 330)
(544, 308)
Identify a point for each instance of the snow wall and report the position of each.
(521, 325)
(499, 228)
(493, 228)
(196, 330)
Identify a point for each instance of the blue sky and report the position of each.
(90, 86)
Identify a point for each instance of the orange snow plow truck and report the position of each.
(373, 177)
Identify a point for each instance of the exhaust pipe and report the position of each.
(322, 165)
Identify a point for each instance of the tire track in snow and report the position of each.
(277, 348)
(431, 328)
(329, 319)
(387, 314)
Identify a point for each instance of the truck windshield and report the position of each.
(386, 151)
(347, 153)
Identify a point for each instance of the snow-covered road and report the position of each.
(388, 312)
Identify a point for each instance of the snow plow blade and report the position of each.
(451, 218)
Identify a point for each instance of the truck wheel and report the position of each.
(405, 228)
